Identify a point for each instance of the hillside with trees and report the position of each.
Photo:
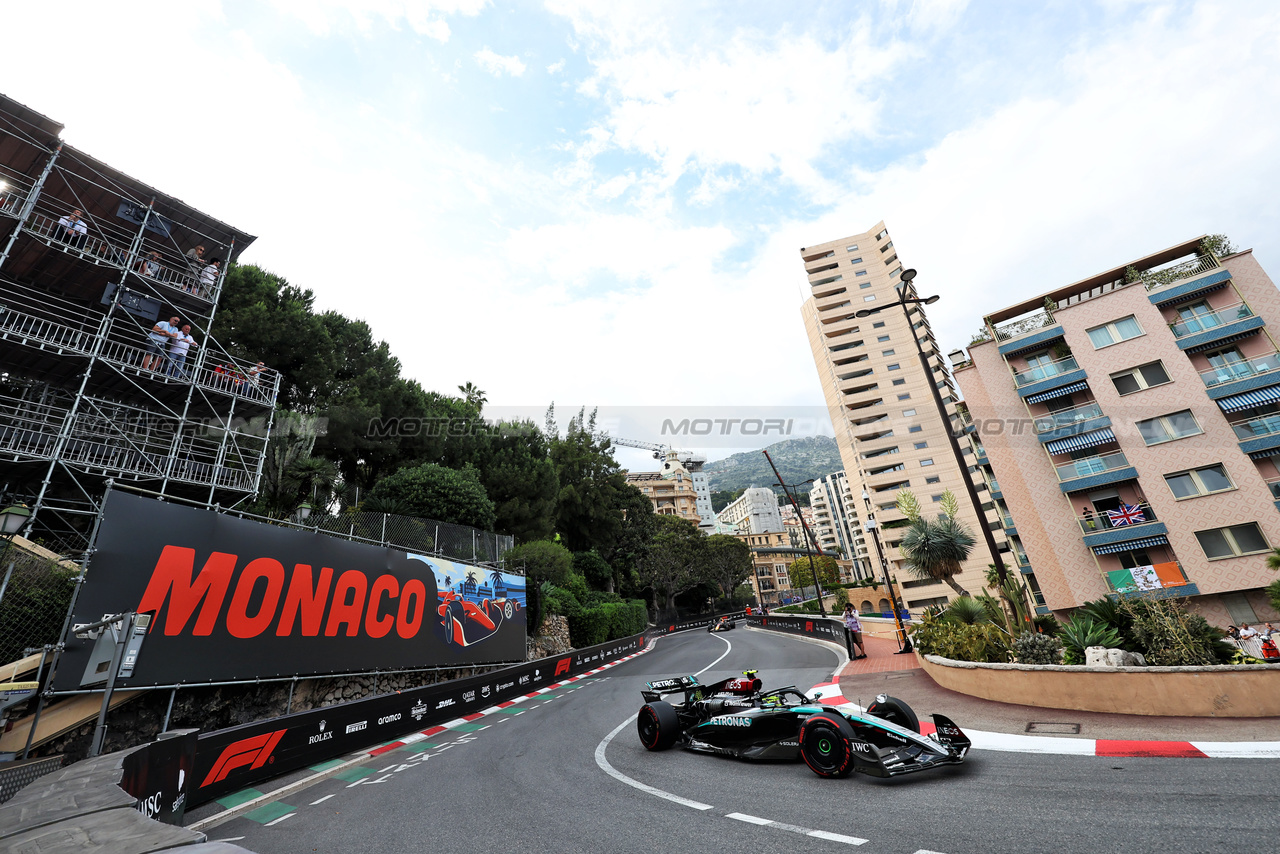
(797, 460)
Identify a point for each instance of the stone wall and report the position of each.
(552, 639)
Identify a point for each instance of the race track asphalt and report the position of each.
(527, 779)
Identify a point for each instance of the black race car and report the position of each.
(723, 624)
(734, 717)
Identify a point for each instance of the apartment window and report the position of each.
(899, 382)
(1143, 376)
(1166, 428)
(879, 324)
(1232, 541)
(915, 429)
(882, 338)
(869, 298)
(895, 366)
(891, 259)
(906, 396)
(907, 413)
(883, 234)
(860, 273)
(886, 352)
(853, 248)
(1189, 484)
(865, 285)
(855, 260)
(890, 506)
(920, 445)
(933, 480)
(927, 462)
(1114, 332)
(935, 498)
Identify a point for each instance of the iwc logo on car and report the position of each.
(356, 727)
(728, 720)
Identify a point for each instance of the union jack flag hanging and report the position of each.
(1127, 514)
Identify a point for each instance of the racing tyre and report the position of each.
(894, 711)
(658, 725)
(824, 745)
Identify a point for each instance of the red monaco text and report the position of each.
(294, 603)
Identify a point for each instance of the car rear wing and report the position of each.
(675, 685)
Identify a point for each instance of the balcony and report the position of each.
(1158, 581)
(1070, 422)
(1092, 472)
(1258, 434)
(1246, 375)
(1109, 528)
(1049, 376)
(993, 486)
(1181, 280)
(1030, 331)
(1214, 327)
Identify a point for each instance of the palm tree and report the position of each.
(469, 585)
(1273, 559)
(935, 549)
(473, 396)
(499, 586)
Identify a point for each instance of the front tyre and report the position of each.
(894, 711)
(824, 745)
(658, 725)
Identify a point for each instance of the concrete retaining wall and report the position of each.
(1238, 691)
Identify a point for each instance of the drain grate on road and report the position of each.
(1051, 728)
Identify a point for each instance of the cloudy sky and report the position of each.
(600, 203)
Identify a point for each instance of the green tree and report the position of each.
(519, 477)
(434, 492)
(474, 397)
(670, 565)
(728, 563)
(935, 549)
(825, 566)
(592, 486)
(542, 561)
(594, 569)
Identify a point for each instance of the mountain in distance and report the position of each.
(797, 460)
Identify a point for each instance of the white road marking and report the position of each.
(836, 837)
(750, 819)
(923, 851)
(322, 800)
(280, 819)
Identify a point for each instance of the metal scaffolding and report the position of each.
(90, 261)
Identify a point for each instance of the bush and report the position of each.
(1047, 624)
(950, 638)
(1032, 648)
(560, 601)
(608, 621)
(593, 568)
(1081, 632)
(1168, 635)
(541, 560)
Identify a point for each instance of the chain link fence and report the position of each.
(36, 592)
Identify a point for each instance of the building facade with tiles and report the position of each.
(1128, 427)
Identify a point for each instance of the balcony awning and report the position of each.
(1084, 440)
(1145, 542)
(1237, 402)
(1062, 391)
(1221, 342)
(1263, 455)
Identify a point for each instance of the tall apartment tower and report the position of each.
(888, 428)
(755, 511)
(1132, 422)
(837, 524)
(90, 260)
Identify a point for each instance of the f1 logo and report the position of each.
(562, 666)
(808, 626)
(254, 752)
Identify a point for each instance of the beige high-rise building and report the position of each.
(887, 425)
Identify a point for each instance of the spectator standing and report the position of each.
(72, 229)
(853, 632)
(150, 267)
(209, 276)
(1247, 632)
(178, 351)
(158, 343)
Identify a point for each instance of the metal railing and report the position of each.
(1210, 320)
(1232, 371)
(1091, 465)
(1273, 485)
(1156, 279)
(1039, 320)
(1170, 573)
(1106, 520)
(992, 484)
(1067, 417)
(1045, 371)
(1252, 428)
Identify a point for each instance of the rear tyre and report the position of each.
(895, 711)
(658, 725)
(824, 745)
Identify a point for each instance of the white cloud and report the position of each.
(497, 65)
(555, 67)
(425, 17)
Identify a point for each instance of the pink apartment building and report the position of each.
(1129, 432)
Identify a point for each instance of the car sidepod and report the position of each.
(768, 733)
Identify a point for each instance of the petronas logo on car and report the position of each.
(730, 721)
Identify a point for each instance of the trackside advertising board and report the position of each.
(823, 628)
(231, 759)
(691, 623)
(234, 600)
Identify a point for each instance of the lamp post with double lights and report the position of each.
(904, 301)
(11, 521)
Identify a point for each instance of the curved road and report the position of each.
(544, 776)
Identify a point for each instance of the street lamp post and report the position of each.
(904, 301)
(11, 521)
(904, 642)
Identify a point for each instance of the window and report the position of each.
(882, 338)
(853, 248)
(890, 506)
(860, 273)
(894, 367)
(906, 396)
(886, 352)
(920, 445)
(935, 498)
(915, 429)
(865, 285)
(884, 232)
(1166, 428)
(1189, 484)
(879, 324)
(927, 462)
(907, 413)
(855, 260)
(899, 382)
(1232, 541)
(1114, 332)
(933, 480)
(1139, 378)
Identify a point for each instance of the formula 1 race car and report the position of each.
(734, 717)
(723, 624)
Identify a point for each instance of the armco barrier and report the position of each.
(827, 629)
(231, 759)
(691, 623)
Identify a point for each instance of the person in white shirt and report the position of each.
(157, 343)
(853, 631)
(178, 351)
(209, 277)
(1247, 631)
(72, 230)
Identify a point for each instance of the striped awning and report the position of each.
(1060, 391)
(1084, 440)
(1237, 402)
(1219, 342)
(1262, 455)
(1145, 542)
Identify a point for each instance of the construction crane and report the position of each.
(688, 459)
(691, 463)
